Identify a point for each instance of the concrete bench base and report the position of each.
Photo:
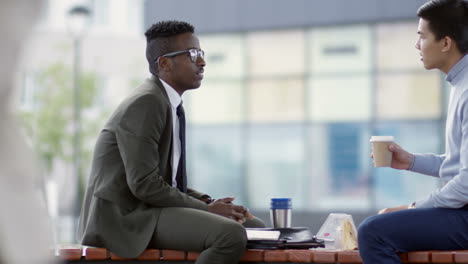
(77, 254)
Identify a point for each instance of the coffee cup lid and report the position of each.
(281, 203)
(381, 139)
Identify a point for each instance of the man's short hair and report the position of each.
(447, 18)
(159, 40)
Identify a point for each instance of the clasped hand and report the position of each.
(226, 208)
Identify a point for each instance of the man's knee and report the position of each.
(232, 235)
(369, 228)
(254, 223)
(365, 225)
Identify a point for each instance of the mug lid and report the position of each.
(381, 139)
(281, 203)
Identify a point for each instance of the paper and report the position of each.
(263, 234)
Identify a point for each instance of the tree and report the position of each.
(49, 121)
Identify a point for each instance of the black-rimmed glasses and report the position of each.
(194, 54)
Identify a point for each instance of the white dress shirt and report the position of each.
(175, 100)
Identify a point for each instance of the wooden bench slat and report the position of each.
(419, 257)
(442, 256)
(303, 255)
(77, 252)
(70, 252)
(192, 255)
(96, 254)
(349, 256)
(324, 256)
(113, 256)
(403, 257)
(253, 255)
(169, 254)
(460, 256)
(275, 256)
(150, 254)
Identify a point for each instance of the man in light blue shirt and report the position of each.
(439, 221)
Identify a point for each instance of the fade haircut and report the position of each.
(160, 40)
(447, 18)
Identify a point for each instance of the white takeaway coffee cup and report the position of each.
(382, 156)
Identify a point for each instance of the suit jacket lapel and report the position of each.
(155, 81)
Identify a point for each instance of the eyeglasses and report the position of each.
(194, 54)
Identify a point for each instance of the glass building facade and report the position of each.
(289, 113)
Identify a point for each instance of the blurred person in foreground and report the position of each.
(137, 195)
(25, 231)
(440, 221)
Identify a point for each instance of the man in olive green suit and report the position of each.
(137, 196)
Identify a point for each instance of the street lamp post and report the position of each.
(78, 18)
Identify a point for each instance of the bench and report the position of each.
(77, 254)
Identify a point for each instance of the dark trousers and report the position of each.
(381, 237)
(220, 240)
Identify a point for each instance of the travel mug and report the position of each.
(280, 212)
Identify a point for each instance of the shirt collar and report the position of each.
(454, 73)
(174, 97)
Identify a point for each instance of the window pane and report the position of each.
(338, 166)
(340, 49)
(135, 19)
(394, 187)
(214, 163)
(339, 98)
(279, 52)
(408, 95)
(276, 100)
(100, 15)
(224, 55)
(395, 46)
(275, 164)
(216, 102)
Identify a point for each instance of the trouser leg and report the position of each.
(220, 240)
(254, 223)
(381, 237)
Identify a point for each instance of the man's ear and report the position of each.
(448, 44)
(164, 64)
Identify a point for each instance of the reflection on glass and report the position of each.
(395, 46)
(338, 162)
(276, 100)
(395, 187)
(216, 102)
(214, 163)
(329, 166)
(340, 49)
(276, 52)
(275, 165)
(224, 55)
(408, 95)
(339, 98)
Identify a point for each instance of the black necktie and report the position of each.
(181, 176)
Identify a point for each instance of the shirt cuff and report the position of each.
(420, 165)
(412, 164)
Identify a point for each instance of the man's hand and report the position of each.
(394, 209)
(226, 208)
(401, 159)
